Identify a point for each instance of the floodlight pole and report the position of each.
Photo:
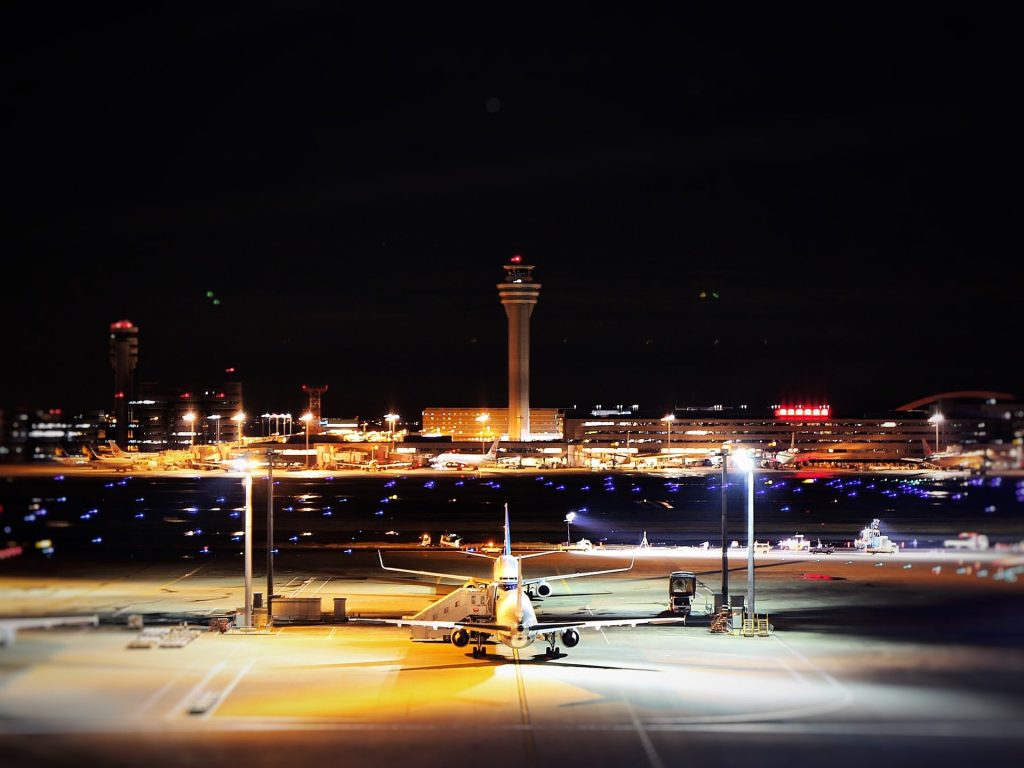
(248, 549)
(270, 536)
(725, 529)
(750, 539)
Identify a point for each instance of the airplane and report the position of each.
(63, 457)
(795, 457)
(9, 627)
(950, 459)
(141, 459)
(515, 623)
(462, 460)
(107, 461)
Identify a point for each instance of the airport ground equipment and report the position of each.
(873, 541)
(682, 588)
(473, 600)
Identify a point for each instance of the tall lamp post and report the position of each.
(215, 418)
(391, 418)
(745, 463)
(307, 417)
(245, 467)
(568, 521)
(270, 537)
(668, 420)
(239, 419)
(725, 528)
(483, 418)
(937, 419)
(189, 418)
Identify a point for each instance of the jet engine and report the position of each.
(542, 588)
(570, 638)
(460, 638)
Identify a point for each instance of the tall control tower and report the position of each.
(518, 295)
(124, 356)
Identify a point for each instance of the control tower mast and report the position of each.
(314, 405)
(518, 295)
(124, 356)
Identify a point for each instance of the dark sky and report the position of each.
(842, 188)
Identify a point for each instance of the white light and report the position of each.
(743, 461)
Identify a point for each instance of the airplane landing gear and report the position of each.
(479, 652)
(552, 651)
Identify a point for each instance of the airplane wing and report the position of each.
(460, 576)
(558, 626)
(540, 627)
(557, 576)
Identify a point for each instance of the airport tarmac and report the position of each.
(904, 659)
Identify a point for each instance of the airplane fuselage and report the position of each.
(515, 611)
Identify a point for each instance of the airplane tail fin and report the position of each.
(508, 534)
(927, 448)
(115, 449)
(89, 451)
(492, 452)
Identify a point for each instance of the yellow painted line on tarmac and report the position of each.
(185, 576)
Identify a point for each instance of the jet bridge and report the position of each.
(470, 601)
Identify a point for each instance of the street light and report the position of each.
(745, 462)
(246, 468)
(668, 420)
(239, 419)
(391, 418)
(936, 419)
(725, 527)
(568, 521)
(483, 418)
(189, 418)
(216, 423)
(307, 417)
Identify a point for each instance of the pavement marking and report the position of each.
(322, 586)
(157, 695)
(194, 692)
(524, 710)
(227, 691)
(185, 576)
(641, 732)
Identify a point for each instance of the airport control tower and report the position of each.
(124, 356)
(518, 294)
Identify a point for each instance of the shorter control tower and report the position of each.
(518, 295)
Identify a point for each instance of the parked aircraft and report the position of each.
(514, 622)
(462, 460)
(107, 461)
(140, 459)
(950, 459)
(71, 460)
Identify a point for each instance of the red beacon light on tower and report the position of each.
(517, 259)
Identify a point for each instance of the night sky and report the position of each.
(722, 207)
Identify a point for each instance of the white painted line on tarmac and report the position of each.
(227, 691)
(196, 690)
